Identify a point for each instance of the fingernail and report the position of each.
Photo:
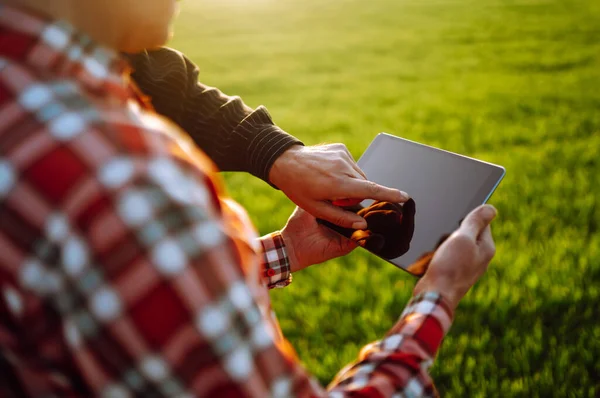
(492, 212)
(359, 225)
(404, 195)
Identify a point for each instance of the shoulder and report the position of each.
(32, 103)
(60, 122)
(163, 69)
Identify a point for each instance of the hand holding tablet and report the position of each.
(462, 259)
(444, 187)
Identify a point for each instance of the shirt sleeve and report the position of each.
(400, 363)
(236, 137)
(275, 265)
(158, 297)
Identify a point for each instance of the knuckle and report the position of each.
(339, 184)
(342, 151)
(474, 216)
(474, 220)
(339, 161)
(463, 243)
(373, 188)
(339, 220)
(462, 239)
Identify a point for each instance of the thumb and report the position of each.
(477, 220)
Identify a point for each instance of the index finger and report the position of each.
(358, 188)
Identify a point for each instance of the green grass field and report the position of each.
(514, 82)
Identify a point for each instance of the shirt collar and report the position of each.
(58, 48)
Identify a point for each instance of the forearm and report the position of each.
(236, 137)
(400, 362)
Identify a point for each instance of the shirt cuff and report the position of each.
(264, 143)
(275, 265)
(427, 318)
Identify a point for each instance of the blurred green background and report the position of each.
(511, 82)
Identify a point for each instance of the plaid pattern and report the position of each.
(124, 270)
(276, 266)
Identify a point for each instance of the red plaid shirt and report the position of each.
(123, 269)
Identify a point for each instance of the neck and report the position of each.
(77, 12)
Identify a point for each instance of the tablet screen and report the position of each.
(445, 187)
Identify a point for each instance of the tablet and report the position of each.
(444, 188)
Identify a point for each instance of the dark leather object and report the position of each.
(390, 228)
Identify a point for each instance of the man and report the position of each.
(125, 270)
(238, 138)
